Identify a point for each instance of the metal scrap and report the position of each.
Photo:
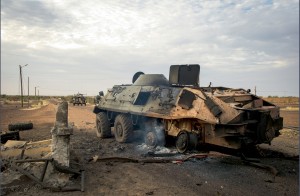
(133, 160)
(59, 168)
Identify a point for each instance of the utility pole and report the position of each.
(254, 90)
(21, 82)
(21, 85)
(35, 92)
(28, 92)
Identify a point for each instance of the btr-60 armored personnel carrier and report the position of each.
(180, 108)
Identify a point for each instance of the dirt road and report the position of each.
(217, 174)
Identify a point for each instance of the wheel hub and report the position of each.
(182, 142)
(151, 139)
(119, 130)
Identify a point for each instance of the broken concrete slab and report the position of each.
(37, 149)
(37, 144)
(10, 153)
(14, 144)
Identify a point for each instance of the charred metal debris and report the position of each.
(13, 131)
(57, 166)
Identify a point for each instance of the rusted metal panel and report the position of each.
(257, 103)
(240, 98)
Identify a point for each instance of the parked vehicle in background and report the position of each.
(78, 99)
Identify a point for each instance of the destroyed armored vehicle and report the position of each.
(78, 99)
(179, 108)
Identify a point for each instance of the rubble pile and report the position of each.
(45, 162)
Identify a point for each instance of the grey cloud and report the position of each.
(108, 41)
(32, 13)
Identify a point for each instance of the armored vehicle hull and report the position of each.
(193, 115)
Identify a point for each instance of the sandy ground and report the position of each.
(217, 174)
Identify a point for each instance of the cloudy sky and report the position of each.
(87, 46)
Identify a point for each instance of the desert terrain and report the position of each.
(213, 174)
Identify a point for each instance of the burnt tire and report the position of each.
(183, 142)
(14, 135)
(20, 126)
(102, 125)
(123, 128)
(154, 139)
(155, 133)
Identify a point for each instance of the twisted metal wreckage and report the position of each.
(180, 108)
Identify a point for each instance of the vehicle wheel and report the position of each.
(182, 142)
(102, 125)
(123, 128)
(154, 139)
(151, 139)
(20, 126)
(155, 134)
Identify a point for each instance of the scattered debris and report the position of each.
(32, 158)
(15, 149)
(41, 179)
(270, 168)
(161, 160)
(119, 148)
(14, 144)
(150, 193)
(11, 135)
(251, 162)
(95, 158)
